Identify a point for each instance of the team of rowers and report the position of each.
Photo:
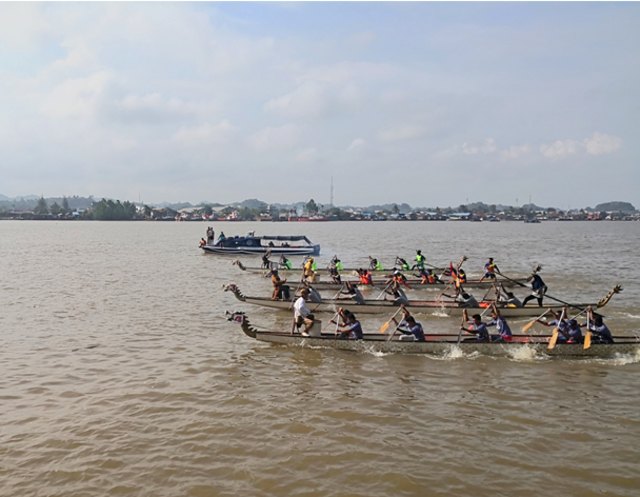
(349, 327)
(393, 285)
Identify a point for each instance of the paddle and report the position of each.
(587, 335)
(465, 318)
(554, 334)
(386, 324)
(384, 290)
(337, 321)
(528, 326)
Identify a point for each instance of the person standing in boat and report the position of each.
(302, 314)
(490, 269)
(595, 325)
(478, 328)
(210, 235)
(350, 328)
(221, 237)
(409, 327)
(538, 289)
(420, 260)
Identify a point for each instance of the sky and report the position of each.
(432, 104)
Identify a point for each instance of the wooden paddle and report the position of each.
(528, 326)
(554, 334)
(465, 318)
(386, 324)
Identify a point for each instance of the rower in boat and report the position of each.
(280, 290)
(595, 324)
(409, 327)
(266, 263)
(364, 275)
(375, 264)
(476, 327)
(507, 298)
(285, 263)
(393, 289)
(350, 328)
(504, 332)
(302, 314)
(309, 270)
(353, 293)
(334, 273)
(404, 265)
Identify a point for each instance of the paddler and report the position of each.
(420, 260)
(490, 269)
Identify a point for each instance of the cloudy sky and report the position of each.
(433, 104)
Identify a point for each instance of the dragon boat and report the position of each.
(438, 344)
(451, 308)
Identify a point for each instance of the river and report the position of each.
(120, 375)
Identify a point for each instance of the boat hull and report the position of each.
(442, 346)
(260, 250)
(387, 307)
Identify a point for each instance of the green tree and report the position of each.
(41, 208)
(55, 209)
(65, 206)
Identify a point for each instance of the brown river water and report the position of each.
(120, 376)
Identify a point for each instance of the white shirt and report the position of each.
(300, 308)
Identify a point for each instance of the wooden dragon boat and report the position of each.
(439, 344)
(450, 308)
(416, 284)
(380, 278)
(297, 271)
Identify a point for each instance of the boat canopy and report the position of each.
(293, 238)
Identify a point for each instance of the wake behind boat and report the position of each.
(438, 344)
(259, 245)
(451, 308)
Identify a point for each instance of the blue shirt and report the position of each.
(482, 332)
(501, 325)
(415, 330)
(355, 330)
(602, 332)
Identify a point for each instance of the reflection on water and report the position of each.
(121, 375)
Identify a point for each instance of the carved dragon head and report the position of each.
(605, 300)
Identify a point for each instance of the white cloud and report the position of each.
(307, 155)
(205, 133)
(77, 97)
(275, 138)
(515, 152)
(153, 107)
(559, 149)
(356, 144)
(308, 99)
(602, 144)
(487, 147)
(401, 133)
